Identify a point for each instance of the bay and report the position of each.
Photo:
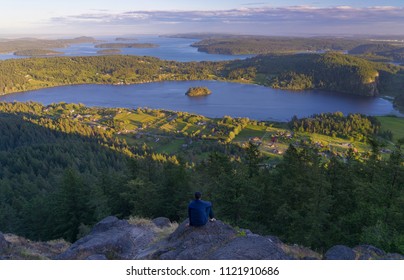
(231, 99)
(178, 49)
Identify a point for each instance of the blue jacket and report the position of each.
(198, 212)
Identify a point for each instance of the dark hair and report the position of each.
(198, 195)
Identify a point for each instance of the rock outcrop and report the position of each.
(117, 239)
(110, 239)
(3, 243)
(368, 252)
(361, 252)
(340, 252)
(159, 239)
(215, 240)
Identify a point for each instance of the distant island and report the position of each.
(24, 44)
(37, 52)
(265, 44)
(109, 51)
(198, 91)
(125, 39)
(126, 45)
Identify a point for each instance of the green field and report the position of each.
(250, 131)
(135, 117)
(337, 144)
(158, 125)
(394, 124)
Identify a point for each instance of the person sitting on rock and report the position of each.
(200, 211)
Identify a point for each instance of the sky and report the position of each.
(261, 17)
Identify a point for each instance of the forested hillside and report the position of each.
(331, 71)
(60, 173)
(27, 44)
(233, 45)
(26, 74)
(222, 44)
(392, 52)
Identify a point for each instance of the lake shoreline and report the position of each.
(228, 98)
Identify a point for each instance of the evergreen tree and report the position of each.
(71, 209)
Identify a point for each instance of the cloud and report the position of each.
(300, 17)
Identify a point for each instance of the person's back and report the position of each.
(199, 211)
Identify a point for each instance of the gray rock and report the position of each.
(191, 243)
(215, 240)
(3, 242)
(97, 257)
(113, 238)
(108, 223)
(117, 239)
(250, 248)
(340, 252)
(368, 252)
(392, 257)
(274, 239)
(162, 222)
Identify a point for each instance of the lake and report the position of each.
(232, 99)
(177, 49)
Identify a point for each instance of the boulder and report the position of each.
(113, 238)
(340, 252)
(161, 222)
(215, 240)
(368, 252)
(109, 223)
(191, 243)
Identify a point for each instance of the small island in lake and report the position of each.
(126, 45)
(109, 51)
(37, 52)
(198, 91)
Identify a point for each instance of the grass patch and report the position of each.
(192, 128)
(179, 125)
(135, 118)
(161, 233)
(250, 131)
(338, 144)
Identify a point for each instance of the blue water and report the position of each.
(177, 49)
(4, 56)
(231, 99)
